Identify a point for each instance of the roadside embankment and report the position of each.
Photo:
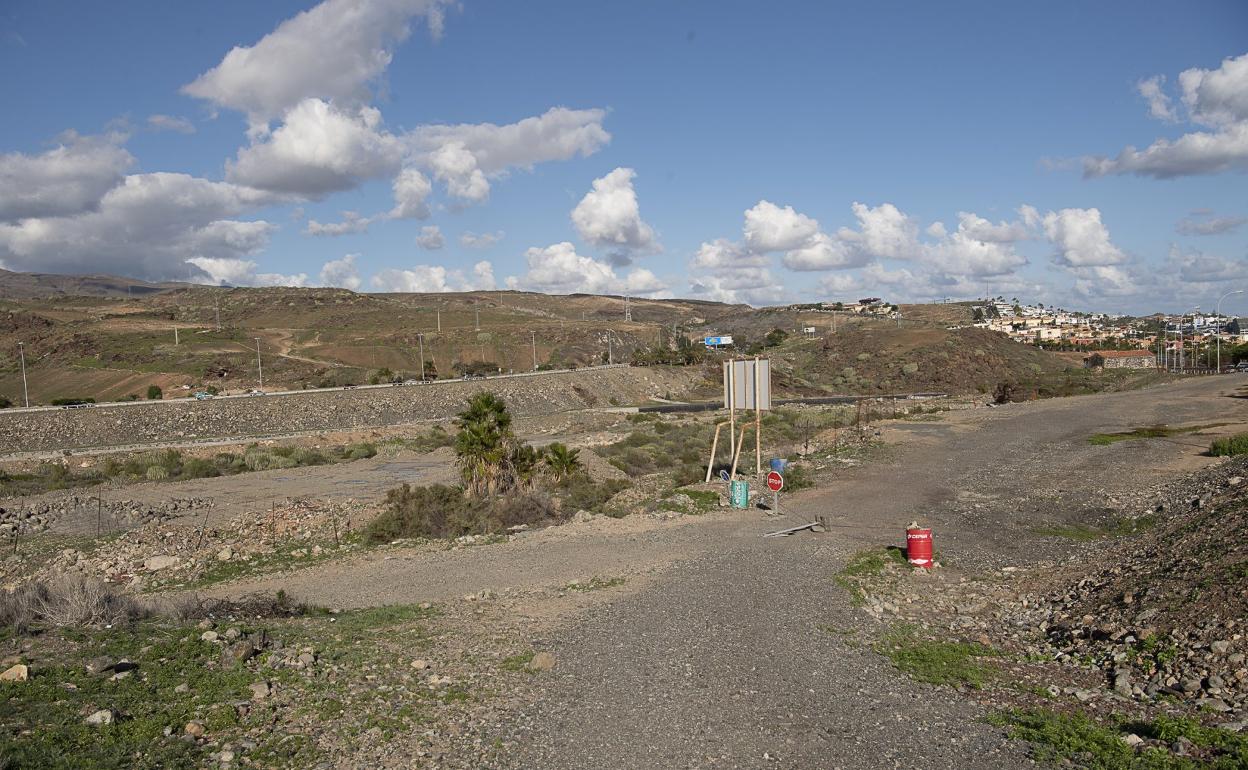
(190, 420)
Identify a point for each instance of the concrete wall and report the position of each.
(188, 420)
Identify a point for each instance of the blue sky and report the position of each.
(787, 152)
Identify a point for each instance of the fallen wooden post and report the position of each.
(813, 526)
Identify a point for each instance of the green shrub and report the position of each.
(263, 460)
(154, 393)
(156, 473)
(5, 403)
(579, 492)
(439, 511)
(797, 477)
(307, 456)
(909, 368)
(1230, 446)
(198, 468)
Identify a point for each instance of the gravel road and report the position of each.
(740, 658)
(740, 652)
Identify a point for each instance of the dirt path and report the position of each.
(740, 651)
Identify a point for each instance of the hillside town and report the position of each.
(1173, 341)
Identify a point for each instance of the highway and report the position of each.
(280, 393)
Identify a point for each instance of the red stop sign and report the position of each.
(775, 482)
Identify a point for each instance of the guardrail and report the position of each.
(710, 406)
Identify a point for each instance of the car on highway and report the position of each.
(202, 395)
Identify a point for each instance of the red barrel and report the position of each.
(919, 546)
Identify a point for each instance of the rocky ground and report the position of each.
(1076, 579)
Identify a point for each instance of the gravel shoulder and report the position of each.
(731, 650)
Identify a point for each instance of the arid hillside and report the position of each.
(111, 338)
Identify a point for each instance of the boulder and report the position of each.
(17, 673)
(101, 717)
(157, 563)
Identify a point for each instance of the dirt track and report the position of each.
(720, 654)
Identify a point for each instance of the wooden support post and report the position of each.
(758, 424)
(737, 455)
(732, 408)
(710, 466)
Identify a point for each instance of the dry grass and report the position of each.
(69, 602)
(78, 602)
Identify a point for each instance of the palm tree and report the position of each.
(484, 444)
(562, 462)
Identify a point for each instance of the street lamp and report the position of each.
(21, 351)
(1218, 312)
(421, 337)
(259, 364)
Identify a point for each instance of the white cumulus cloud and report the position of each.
(319, 149)
(1081, 239)
(411, 193)
(332, 51)
(225, 271)
(430, 238)
(558, 269)
(68, 179)
(769, 227)
(1216, 99)
(466, 156)
(341, 273)
(722, 253)
(610, 216)
(752, 286)
(351, 222)
(147, 227)
(435, 279)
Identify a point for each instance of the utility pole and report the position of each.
(218, 307)
(259, 364)
(1222, 326)
(477, 323)
(421, 337)
(21, 351)
(439, 321)
(610, 350)
(628, 309)
(175, 335)
(533, 336)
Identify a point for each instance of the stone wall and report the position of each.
(190, 420)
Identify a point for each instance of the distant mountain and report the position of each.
(35, 285)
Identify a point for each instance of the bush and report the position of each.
(198, 468)
(432, 511)
(1230, 446)
(72, 401)
(439, 511)
(580, 493)
(154, 393)
(256, 459)
(360, 451)
(306, 456)
(5, 403)
(156, 473)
